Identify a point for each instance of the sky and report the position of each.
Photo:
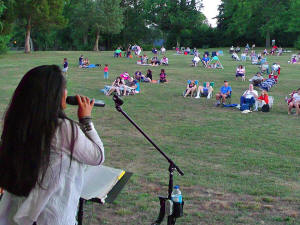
(210, 10)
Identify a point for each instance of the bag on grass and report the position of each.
(265, 108)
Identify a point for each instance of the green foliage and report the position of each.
(297, 43)
(4, 39)
(4, 24)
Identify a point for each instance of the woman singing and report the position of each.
(43, 154)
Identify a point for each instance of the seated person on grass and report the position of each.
(262, 100)
(155, 61)
(294, 59)
(235, 56)
(190, 89)
(264, 68)
(86, 62)
(116, 86)
(205, 91)
(215, 63)
(249, 97)
(195, 60)
(225, 91)
(276, 68)
(148, 77)
(144, 59)
(118, 53)
(80, 61)
(295, 103)
(125, 76)
(205, 60)
(130, 84)
(257, 79)
(240, 72)
(163, 76)
(138, 75)
(164, 61)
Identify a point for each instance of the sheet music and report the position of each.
(98, 181)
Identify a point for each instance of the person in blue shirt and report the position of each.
(205, 60)
(225, 91)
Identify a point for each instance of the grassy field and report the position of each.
(239, 168)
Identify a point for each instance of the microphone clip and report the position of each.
(118, 102)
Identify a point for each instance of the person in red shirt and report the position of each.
(261, 100)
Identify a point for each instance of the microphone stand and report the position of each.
(172, 167)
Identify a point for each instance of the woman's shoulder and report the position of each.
(66, 124)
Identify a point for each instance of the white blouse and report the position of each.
(57, 201)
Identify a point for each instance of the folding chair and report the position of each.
(212, 84)
(228, 99)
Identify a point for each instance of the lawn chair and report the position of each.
(220, 53)
(228, 99)
(212, 84)
(264, 68)
(188, 82)
(215, 63)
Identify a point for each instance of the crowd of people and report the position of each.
(126, 84)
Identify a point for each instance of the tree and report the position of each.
(108, 18)
(6, 19)
(256, 18)
(175, 17)
(39, 13)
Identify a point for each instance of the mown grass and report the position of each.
(239, 169)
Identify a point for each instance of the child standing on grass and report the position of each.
(106, 72)
(66, 66)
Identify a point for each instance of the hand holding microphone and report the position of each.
(85, 106)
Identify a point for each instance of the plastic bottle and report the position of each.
(176, 195)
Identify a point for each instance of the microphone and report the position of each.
(72, 100)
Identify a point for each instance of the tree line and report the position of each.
(107, 24)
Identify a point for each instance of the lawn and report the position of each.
(239, 168)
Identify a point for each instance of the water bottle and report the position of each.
(176, 195)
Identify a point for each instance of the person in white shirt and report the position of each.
(240, 72)
(196, 60)
(44, 153)
(295, 103)
(163, 50)
(249, 96)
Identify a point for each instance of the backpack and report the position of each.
(265, 108)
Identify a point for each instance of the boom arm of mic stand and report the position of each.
(118, 104)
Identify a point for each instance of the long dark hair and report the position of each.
(29, 126)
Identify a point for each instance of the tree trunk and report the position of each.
(27, 38)
(268, 40)
(96, 46)
(85, 39)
